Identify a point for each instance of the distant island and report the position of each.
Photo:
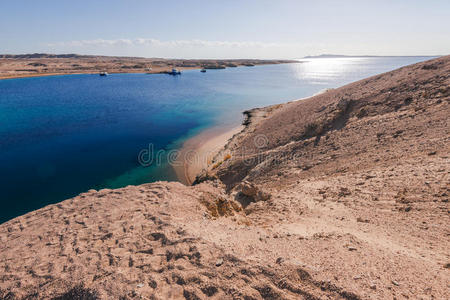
(43, 64)
(343, 56)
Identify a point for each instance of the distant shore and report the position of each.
(84, 73)
(36, 65)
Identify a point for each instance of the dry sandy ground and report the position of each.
(30, 65)
(340, 196)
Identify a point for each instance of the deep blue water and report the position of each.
(62, 135)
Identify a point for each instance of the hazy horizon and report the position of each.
(199, 58)
(235, 29)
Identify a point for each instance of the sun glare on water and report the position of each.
(319, 70)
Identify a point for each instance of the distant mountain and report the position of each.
(40, 55)
(47, 55)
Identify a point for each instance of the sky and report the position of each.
(279, 29)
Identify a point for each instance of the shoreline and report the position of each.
(199, 151)
(18, 76)
(158, 71)
(28, 67)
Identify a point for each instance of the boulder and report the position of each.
(250, 190)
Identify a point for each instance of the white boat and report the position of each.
(103, 74)
(175, 72)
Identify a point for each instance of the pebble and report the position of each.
(219, 262)
(395, 283)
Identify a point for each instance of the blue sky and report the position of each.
(225, 29)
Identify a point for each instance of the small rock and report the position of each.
(357, 277)
(344, 192)
(263, 196)
(397, 133)
(362, 113)
(279, 260)
(140, 285)
(219, 262)
(351, 248)
(248, 189)
(306, 167)
(395, 283)
(343, 104)
(432, 153)
(373, 287)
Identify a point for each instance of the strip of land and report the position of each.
(31, 65)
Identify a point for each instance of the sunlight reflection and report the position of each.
(319, 70)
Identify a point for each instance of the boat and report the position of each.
(174, 72)
(203, 70)
(103, 73)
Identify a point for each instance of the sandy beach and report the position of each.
(198, 152)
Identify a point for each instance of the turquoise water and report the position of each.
(62, 135)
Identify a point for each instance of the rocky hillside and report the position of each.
(340, 196)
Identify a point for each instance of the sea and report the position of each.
(63, 135)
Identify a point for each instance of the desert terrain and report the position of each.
(343, 195)
(30, 65)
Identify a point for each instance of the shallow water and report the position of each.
(62, 135)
